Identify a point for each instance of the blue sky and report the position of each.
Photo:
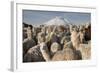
(39, 17)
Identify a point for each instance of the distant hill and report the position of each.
(57, 21)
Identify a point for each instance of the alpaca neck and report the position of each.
(45, 52)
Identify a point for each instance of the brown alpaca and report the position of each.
(28, 42)
(33, 55)
(41, 37)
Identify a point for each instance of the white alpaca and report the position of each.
(55, 47)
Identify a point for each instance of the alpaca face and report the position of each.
(41, 37)
(29, 32)
(82, 37)
(49, 30)
(55, 47)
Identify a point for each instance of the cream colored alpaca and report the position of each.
(55, 47)
(75, 38)
(85, 51)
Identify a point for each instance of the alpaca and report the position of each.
(41, 37)
(55, 47)
(85, 50)
(67, 54)
(33, 55)
(28, 42)
(82, 39)
(45, 52)
(75, 38)
(51, 36)
(88, 32)
(69, 45)
(64, 55)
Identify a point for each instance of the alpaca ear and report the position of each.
(71, 28)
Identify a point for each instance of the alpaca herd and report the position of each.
(56, 43)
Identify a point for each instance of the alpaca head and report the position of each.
(55, 47)
(29, 31)
(75, 38)
(41, 37)
(65, 39)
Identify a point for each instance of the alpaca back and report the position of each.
(33, 55)
(85, 50)
(67, 54)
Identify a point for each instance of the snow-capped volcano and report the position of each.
(57, 21)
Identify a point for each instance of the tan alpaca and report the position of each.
(75, 38)
(67, 54)
(85, 50)
(68, 45)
